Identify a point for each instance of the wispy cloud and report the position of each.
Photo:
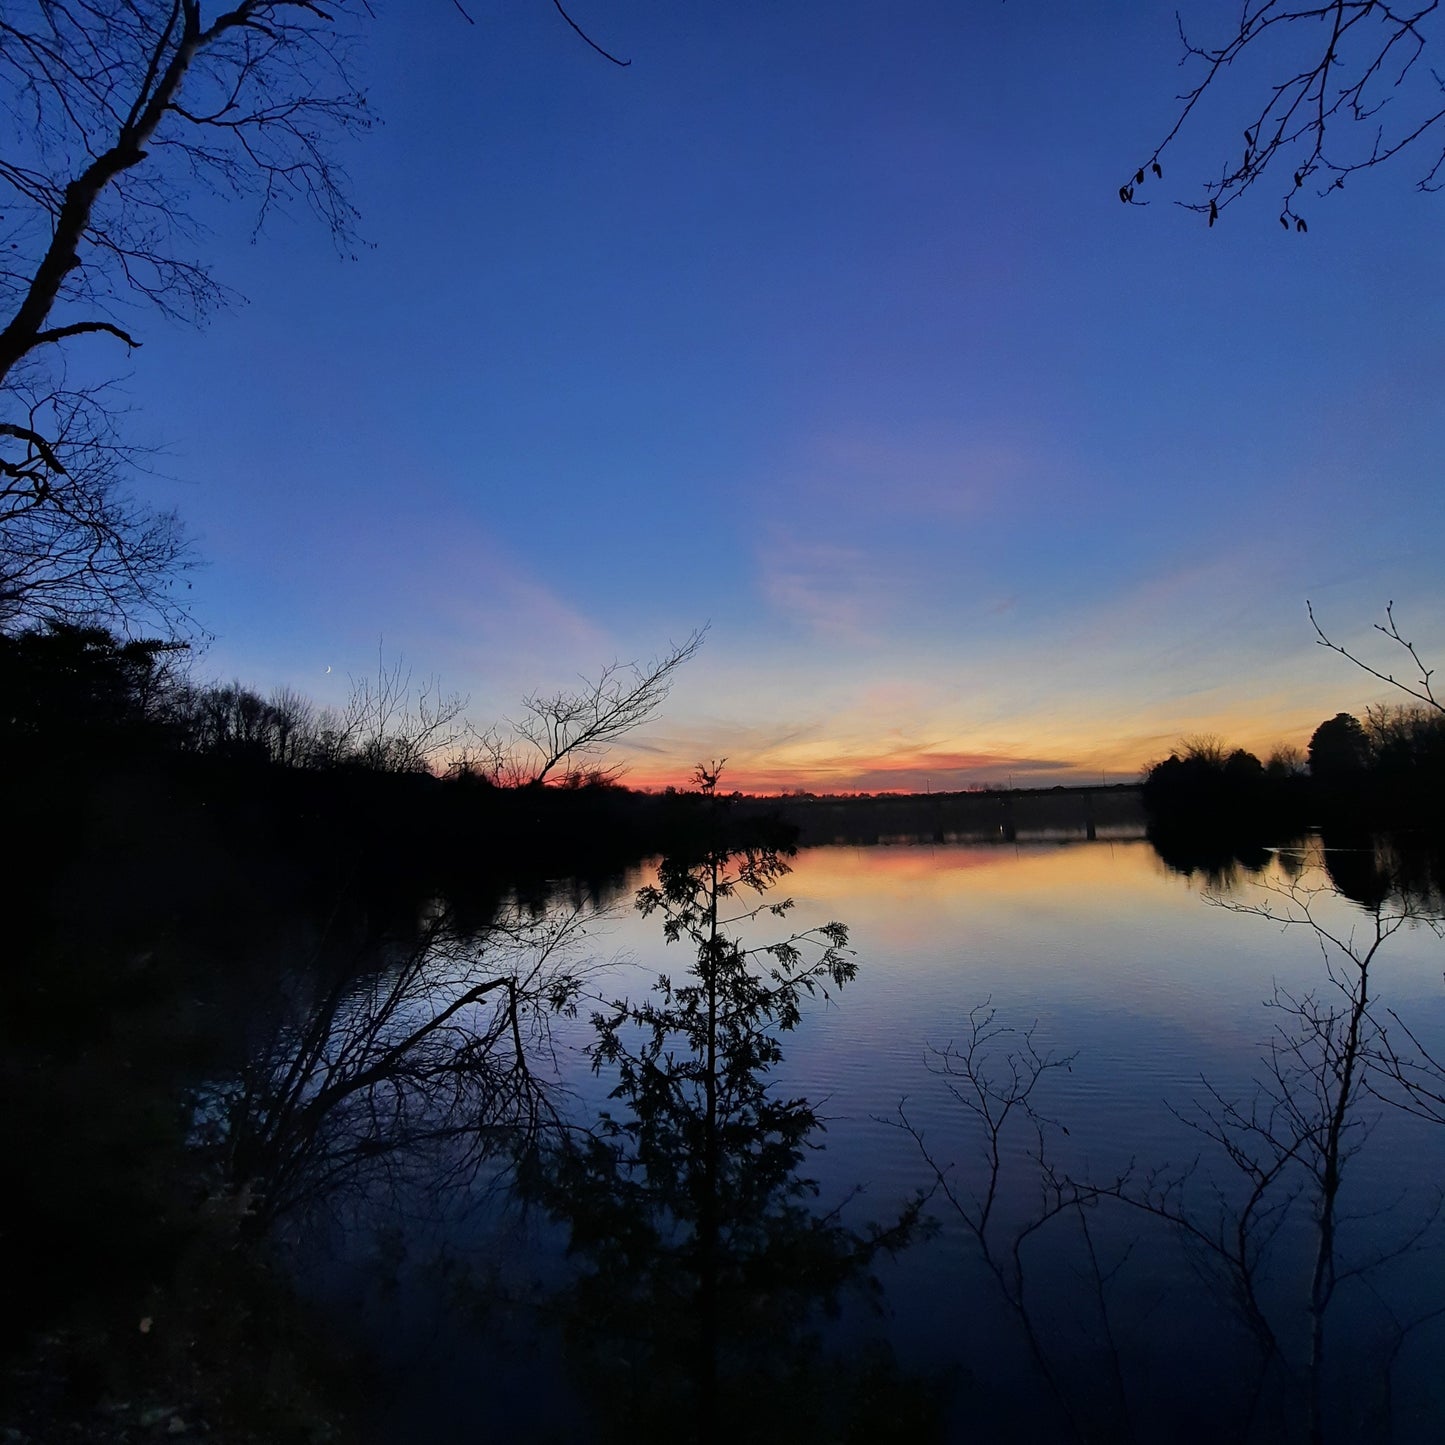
(930, 476)
(833, 591)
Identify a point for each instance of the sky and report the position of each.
(821, 326)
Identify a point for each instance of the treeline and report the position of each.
(1385, 771)
(112, 753)
(1007, 815)
(64, 686)
(1391, 764)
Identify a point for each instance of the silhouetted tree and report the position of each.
(1242, 768)
(566, 730)
(116, 118)
(1339, 751)
(74, 546)
(704, 1262)
(392, 724)
(293, 720)
(1208, 749)
(61, 683)
(1286, 761)
(1407, 744)
(1212, 807)
(114, 114)
(1318, 93)
(389, 724)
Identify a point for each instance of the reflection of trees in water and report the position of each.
(1274, 1216)
(1387, 870)
(708, 1268)
(705, 1267)
(1332, 1051)
(421, 1067)
(1222, 861)
(1370, 868)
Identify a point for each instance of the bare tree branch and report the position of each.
(563, 730)
(427, 1067)
(118, 119)
(392, 724)
(993, 1074)
(1420, 689)
(112, 115)
(1289, 1146)
(102, 89)
(605, 54)
(74, 545)
(1349, 92)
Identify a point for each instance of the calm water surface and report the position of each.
(1155, 996)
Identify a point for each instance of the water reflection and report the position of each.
(1220, 861)
(711, 1242)
(705, 1265)
(1303, 1269)
(1371, 868)
(414, 1065)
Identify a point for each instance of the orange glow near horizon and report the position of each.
(889, 773)
(821, 768)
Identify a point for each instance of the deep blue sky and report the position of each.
(822, 323)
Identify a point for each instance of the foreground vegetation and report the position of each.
(188, 861)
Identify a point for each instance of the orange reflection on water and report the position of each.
(905, 872)
(1028, 902)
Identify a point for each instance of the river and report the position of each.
(1189, 1087)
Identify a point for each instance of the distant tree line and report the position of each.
(1388, 769)
(1393, 762)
